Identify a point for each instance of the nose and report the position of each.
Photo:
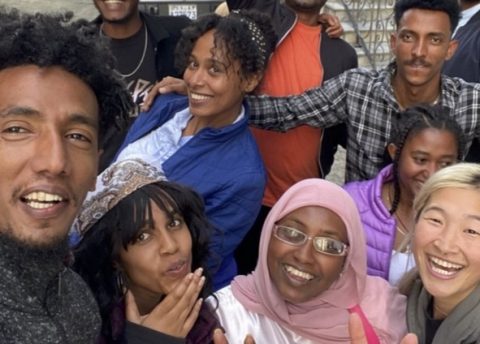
(50, 154)
(420, 48)
(446, 242)
(430, 168)
(305, 253)
(168, 244)
(195, 77)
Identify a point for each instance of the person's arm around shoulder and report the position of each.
(321, 106)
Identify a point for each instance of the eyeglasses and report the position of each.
(295, 237)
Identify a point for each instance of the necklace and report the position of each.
(145, 44)
(401, 227)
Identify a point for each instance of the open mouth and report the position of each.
(444, 267)
(196, 96)
(42, 200)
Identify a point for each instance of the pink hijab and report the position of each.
(325, 318)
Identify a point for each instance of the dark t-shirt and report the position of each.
(431, 325)
(136, 62)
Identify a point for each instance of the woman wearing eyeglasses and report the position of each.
(311, 274)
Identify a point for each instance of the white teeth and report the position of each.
(38, 205)
(298, 273)
(445, 264)
(443, 272)
(198, 96)
(40, 196)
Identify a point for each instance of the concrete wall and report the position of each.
(81, 8)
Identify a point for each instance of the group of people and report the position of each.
(120, 226)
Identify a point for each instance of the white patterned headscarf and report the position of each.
(114, 184)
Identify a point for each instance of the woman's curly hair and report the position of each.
(233, 35)
(55, 40)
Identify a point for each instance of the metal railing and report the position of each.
(372, 21)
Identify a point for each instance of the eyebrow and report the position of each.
(418, 151)
(26, 111)
(436, 208)
(325, 231)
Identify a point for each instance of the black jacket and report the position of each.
(336, 56)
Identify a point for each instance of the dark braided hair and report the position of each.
(411, 122)
(55, 40)
(233, 36)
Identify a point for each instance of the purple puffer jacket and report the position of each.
(379, 225)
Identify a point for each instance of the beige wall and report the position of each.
(81, 8)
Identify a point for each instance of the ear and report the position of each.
(392, 150)
(393, 42)
(251, 82)
(452, 48)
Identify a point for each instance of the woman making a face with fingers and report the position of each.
(142, 239)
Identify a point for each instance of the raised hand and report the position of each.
(332, 25)
(177, 312)
(166, 85)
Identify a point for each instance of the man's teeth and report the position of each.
(38, 205)
(196, 96)
(444, 267)
(40, 196)
(298, 273)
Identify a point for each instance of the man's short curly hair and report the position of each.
(55, 40)
(234, 36)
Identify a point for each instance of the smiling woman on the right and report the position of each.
(444, 300)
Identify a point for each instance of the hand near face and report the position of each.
(332, 25)
(177, 312)
(166, 85)
(219, 338)
(355, 327)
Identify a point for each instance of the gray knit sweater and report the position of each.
(41, 301)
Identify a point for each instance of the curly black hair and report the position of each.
(450, 7)
(411, 122)
(233, 34)
(99, 250)
(55, 40)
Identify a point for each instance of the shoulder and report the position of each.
(172, 24)
(339, 45)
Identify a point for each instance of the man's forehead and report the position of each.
(427, 20)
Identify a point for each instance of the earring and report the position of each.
(120, 282)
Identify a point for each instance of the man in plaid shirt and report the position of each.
(367, 101)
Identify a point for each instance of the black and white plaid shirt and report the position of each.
(363, 99)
